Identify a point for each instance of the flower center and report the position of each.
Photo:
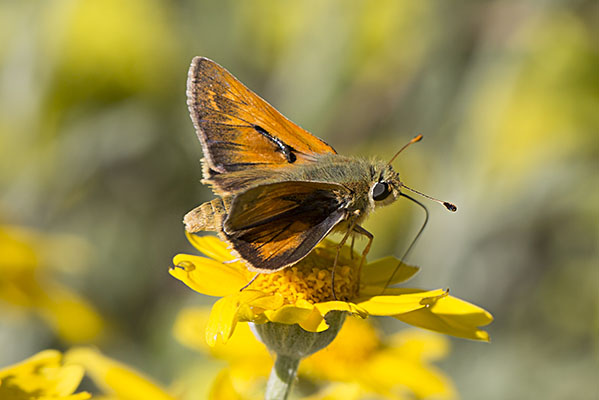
(311, 279)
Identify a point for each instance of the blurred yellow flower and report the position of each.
(41, 377)
(357, 363)
(116, 380)
(302, 294)
(249, 362)
(223, 388)
(26, 283)
(393, 367)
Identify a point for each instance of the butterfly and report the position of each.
(281, 190)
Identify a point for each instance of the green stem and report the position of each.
(281, 377)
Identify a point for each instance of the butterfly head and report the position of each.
(385, 188)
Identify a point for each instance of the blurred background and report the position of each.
(99, 162)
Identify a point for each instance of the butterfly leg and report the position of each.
(250, 282)
(339, 247)
(370, 236)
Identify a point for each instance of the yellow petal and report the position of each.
(76, 396)
(377, 273)
(223, 319)
(210, 246)
(18, 249)
(242, 347)
(190, 328)
(314, 322)
(451, 316)
(230, 385)
(74, 319)
(290, 314)
(45, 357)
(399, 301)
(389, 372)
(310, 316)
(352, 308)
(229, 310)
(207, 276)
(42, 376)
(115, 378)
(68, 379)
(223, 388)
(266, 302)
(253, 303)
(353, 346)
(419, 345)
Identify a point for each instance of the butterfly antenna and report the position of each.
(450, 206)
(414, 140)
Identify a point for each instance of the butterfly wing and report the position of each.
(275, 225)
(244, 138)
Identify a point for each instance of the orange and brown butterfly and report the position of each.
(281, 190)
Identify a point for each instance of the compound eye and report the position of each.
(380, 191)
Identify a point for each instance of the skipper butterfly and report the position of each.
(281, 190)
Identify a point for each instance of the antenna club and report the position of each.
(417, 138)
(450, 207)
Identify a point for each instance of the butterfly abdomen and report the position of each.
(208, 216)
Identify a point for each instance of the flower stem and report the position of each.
(281, 377)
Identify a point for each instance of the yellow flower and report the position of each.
(27, 260)
(302, 293)
(393, 367)
(358, 363)
(41, 377)
(249, 362)
(116, 380)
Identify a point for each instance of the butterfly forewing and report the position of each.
(247, 145)
(239, 131)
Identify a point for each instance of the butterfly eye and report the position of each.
(380, 191)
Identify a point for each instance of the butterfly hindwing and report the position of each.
(275, 225)
(239, 131)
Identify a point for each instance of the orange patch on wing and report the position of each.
(239, 130)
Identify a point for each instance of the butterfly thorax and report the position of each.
(331, 168)
(356, 175)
